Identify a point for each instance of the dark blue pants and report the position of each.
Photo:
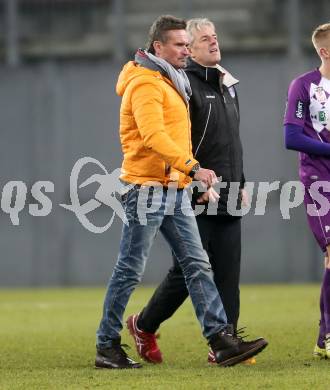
(171, 214)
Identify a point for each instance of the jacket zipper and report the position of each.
(204, 132)
(231, 137)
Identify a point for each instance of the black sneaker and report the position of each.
(230, 349)
(114, 357)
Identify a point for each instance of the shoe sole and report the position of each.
(244, 356)
(99, 364)
(248, 362)
(130, 327)
(116, 368)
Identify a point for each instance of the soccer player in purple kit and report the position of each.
(307, 130)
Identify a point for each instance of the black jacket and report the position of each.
(214, 113)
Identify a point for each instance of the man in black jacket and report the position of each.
(216, 143)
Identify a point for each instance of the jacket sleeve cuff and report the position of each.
(189, 165)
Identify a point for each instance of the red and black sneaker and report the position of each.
(211, 357)
(146, 344)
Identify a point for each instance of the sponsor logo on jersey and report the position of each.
(322, 116)
(320, 95)
(300, 108)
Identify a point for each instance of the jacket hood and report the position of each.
(130, 72)
(207, 73)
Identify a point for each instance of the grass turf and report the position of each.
(47, 340)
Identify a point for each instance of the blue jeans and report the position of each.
(149, 209)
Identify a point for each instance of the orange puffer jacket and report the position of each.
(154, 128)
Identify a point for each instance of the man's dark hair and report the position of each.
(159, 28)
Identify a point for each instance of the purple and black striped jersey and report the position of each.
(308, 106)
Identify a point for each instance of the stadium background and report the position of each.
(59, 64)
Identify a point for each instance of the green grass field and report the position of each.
(47, 340)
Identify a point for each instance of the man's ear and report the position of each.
(324, 53)
(157, 46)
(191, 52)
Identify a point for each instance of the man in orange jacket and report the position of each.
(156, 142)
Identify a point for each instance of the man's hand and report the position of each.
(210, 196)
(206, 176)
